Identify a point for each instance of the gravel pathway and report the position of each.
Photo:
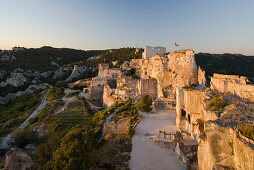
(147, 155)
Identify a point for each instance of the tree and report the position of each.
(145, 103)
(76, 150)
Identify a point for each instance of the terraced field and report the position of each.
(74, 114)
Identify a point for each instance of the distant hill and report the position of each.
(226, 64)
(40, 58)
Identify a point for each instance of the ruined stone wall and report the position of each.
(232, 84)
(194, 102)
(243, 153)
(183, 66)
(127, 88)
(108, 99)
(221, 148)
(148, 87)
(179, 106)
(152, 51)
(121, 127)
(201, 76)
(96, 92)
(177, 69)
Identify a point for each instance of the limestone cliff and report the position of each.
(177, 69)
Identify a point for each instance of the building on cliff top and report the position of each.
(149, 52)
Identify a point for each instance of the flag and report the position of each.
(176, 45)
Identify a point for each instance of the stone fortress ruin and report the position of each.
(157, 76)
(175, 77)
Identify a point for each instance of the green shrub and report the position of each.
(33, 120)
(190, 87)
(130, 72)
(247, 130)
(55, 93)
(145, 104)
(76, 87)
(216, 104)
(25, 136)
(76, 149)
(61, 84)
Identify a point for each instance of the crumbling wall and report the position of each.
(148, 87)
(243, 153)
(179, 106)
(201, 77)
(177, 69)
(108, 99)
(152, 51)
(233, 84)
(96, 92)
(221, 148)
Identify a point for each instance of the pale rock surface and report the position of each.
(76, 72)
(177, 69)
(54, 64)
(16, 79)
(234, 84)
(17, 159)
(58, 74)
(108, 99)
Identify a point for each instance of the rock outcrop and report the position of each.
(108, 99)
(177, 69)
(16, 79)
(76, 72)
(17, 159)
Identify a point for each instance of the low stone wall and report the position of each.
(121, 127)
(232, 84)
(243, 152)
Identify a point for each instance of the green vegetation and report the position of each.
(40, 58)
(61, 84)
(128, 109)
(76, 149)
(247, 130)
(188, 88)
(79, 87)
(25, 136)
(45, 115)
(73, 138)
(114, 144)
(130, 72)
(17, 111)
(216, 103)
(145, 104)
(120, 55)
(100, 116)
(231, 144)
(55, 93)
(74, 114)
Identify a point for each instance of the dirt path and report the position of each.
(147, 155)
(67, 100)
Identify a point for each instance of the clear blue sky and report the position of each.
(216, 26)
